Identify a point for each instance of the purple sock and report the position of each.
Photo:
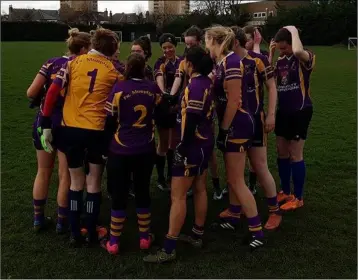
(62, 215)
(143, 215)
(197, 231)
(39, 208)
(117, 220)
(255, 227)
(298, 177)
(234, 217)
(170, 243)
(273, 205)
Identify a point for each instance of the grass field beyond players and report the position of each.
(318, 241)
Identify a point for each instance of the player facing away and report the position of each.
(130, 127)
(88, 80)
(143, 46)
(293, 72)
(164, 73)
(236, 125)
(78, 43)
(194, 123)
(193, 37)
(256, 72)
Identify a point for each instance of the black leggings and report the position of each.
(119, 169)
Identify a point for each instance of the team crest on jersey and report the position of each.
(284, 78)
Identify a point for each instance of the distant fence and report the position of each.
(49, 31)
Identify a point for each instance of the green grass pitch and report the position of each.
(318, 241)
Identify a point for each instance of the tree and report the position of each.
(138, 9)
(67, 14)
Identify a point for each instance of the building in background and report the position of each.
(32, 15)
(261, 10)
(80, 6)
(169, 7)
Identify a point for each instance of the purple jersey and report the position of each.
(167, 68)
(133, 102)
(257, 70)
(49, 70)
(293, 82)
(149, 73)
(119, 66)
(231, 68)
(198, 99)
(264, 53)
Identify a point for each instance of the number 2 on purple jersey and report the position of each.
(93, 75)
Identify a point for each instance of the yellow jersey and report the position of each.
(88, 79)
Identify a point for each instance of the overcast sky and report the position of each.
(114, 6)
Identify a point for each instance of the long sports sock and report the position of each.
(197, 232)
(252, 179)
(273, 205)
(62, 215)
(143, 215)
(234, 214)
(160, 163)
(117, 222)
(284, 171)
(76, 204)
(255, 227)
(298, 177)
(216, 184)
(39, 208)
(170, 243)
(93, 206)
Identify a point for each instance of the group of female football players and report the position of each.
(96, 111)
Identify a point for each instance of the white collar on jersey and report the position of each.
(93, 51)
(136, 79)
(220, 62)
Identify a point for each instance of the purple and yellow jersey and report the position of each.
(166, 68)
(88, 79)
(49, 70)
(229, 68)
(133, 102)
(119, 66)
(148, 73)
(293, 82)
(264, 53)
(257, 70)
(198, 99)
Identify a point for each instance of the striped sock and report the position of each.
(62, 215)
(255, 227)
(93, 206)
(197, 232)
(273, 205)
(117, 220)
(234, 214)
(170, 243)
(39, 209)
(143, 215)
(76, 204)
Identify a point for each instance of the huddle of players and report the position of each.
(96, 108)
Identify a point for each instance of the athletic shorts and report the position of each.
(241, 133)
(293, 126)
(260, 136)
(197, 162)
(79, 143)
(56, 135)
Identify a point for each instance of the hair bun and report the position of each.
(73, 32)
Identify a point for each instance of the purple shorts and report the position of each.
(241, 133)
(56, 128)
(197, 162)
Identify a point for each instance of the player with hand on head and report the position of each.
(293, 71)
(130, 129)
(88, 80)
(78, 43)
(236, 127)
(164, 73)
(194, 124)
(253, 40)
(257, 72)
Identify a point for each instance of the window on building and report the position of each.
(256, 15)
(263, 14)
(271, 13)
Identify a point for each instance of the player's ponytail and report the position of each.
(223, 36)
(77, 41)
(135, 67)
(200, 60)
(240, 35)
